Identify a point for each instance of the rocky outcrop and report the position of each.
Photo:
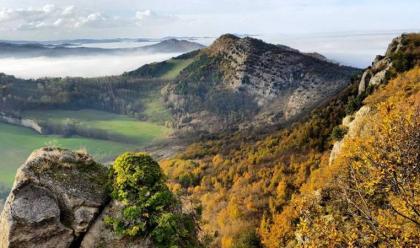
(244, 82)
(59, 200)
(375, 74)
(403, 48)
(355, 126)
(56, 197)
(406, 47)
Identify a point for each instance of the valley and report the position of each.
(264, 146)
(236, 82)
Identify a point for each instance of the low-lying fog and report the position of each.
(353, 49)
(94, 66)
(110, 45)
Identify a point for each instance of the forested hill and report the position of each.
(233, 84)
(346, 176)
(243, 82)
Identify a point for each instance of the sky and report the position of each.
(69, 19)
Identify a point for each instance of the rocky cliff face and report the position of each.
(243, 82)
(402, 54)
(55, 202)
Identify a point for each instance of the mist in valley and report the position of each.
(73, 66)
(352, 49)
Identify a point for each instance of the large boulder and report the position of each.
(56, 197)
(376, 74)
(355, 124)
(364, 82)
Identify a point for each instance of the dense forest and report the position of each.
(120, 94)
(288, 187)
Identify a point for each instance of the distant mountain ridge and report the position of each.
(50, 50)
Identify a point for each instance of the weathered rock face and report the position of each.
(56, 197)
(355, 125)
(245, 82)
(405, 47)
(376, 74)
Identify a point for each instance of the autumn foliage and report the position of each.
(369, 196)
(281, 189)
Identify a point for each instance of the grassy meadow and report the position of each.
(16, 143)
(140, 132)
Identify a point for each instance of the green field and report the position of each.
(16, 143)
(140, 132)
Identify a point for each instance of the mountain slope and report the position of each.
(269, 187)
(243, 82)
(345, 175)
(367, 194)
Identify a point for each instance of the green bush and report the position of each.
(338, 132)
(402, 61)
(150, 208)
(248, 239)
(354, 104)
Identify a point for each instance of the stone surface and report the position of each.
(101, 236)
(364, 82)
(377, 73)
(56, 196)
(355, 125)
(379, 78)
(395, 45)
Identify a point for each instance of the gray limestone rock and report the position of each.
(56, 196)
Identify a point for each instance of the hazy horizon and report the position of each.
(349, 32)
(70, 19)
(353, 49)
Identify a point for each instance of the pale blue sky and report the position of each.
(57, 19)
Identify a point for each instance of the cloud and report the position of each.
(52, 17)
(149, 17)
(156, 18)
(67, 11)
(143, 14)
(72, 19)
